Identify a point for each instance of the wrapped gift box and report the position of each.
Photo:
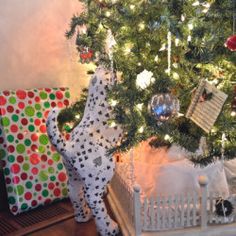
(33, 170)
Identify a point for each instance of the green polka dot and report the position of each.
(31, 120)
(15, 118)
(24, 206)
(41, 149)
(19, 190)
(6, 171)
(20, 148)
(43, 139)
(53, 178)
(37, 107)
(60, 166)
(31, 128)
(5, 121)
(56, 157)
(10, 138)
(43, 175)
(10, 189)
(49, 153)
(64, 192)
(39, 114)
(12, 100)
(45, 193)
(11, 200)
(28, 184)
(11, 158)
(46, 104)
(51, 170)
(27, 142)
(29, 111)
(2, 154)
(52, 96)
(21, 199)
(26, 166)
(45, 185)
(43, 95)
(67, 94)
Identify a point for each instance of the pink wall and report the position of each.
(34, 51)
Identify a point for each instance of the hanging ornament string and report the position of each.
(169, 52)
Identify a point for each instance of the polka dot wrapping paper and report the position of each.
(33, 170)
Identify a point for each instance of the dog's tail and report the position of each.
(54, 133)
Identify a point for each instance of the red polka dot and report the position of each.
(48, 90)
(34, 137)
(21, 94)
(53, 104)
(14, 128)
(50, 162)
(59, 95)
(3, 100)
(62, 176)
(66, 102)
(2, 111)
(57, 192)
(60, 104)
(43, 128)
(24, 176)
(31, 177)
(51, 186)
(28, 196)
(7, 180)
(14, 209)
(20, 159)
(20, 136)
(44, 157)
(30, 102)
(11, 148)
(47, 201)
(67, 137)
(16, 180)
(34, 171)
(15, 168)
(10, 109)
(34, 158)
(6, 93)
(37, 99)
(30, 94)
(37, 122)
(62, 89)
(34, 147)
(46, 114)
(53, 149)
(34, 203)
(38, 187)
(21, 105)
(1, 140)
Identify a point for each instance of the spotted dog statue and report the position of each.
(85, 154)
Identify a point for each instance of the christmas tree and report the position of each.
(162, 50)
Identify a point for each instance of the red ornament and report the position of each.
(86, 55)
(231, 43)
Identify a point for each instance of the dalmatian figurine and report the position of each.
(85, 155)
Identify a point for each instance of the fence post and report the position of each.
(203, 181)
(137, 211)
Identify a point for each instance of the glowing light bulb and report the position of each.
(141, 26)
(132, 7)
(233, 113)
(113, 124)
(156, 59)
(197, 3)
(141, 129)
(177, 42)
(182, 18)
(108, 14)
(139, 106)
(113, 102)
(175, 75)
(163, 47)
(190, 26)
(189, 38)
(77, 116)
(167, 137)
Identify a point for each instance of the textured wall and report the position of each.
(34, 51)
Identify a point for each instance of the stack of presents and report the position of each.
(33, 171)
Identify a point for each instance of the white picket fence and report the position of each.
(161, 213)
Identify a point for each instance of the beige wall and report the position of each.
(33, 50)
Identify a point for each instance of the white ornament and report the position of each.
(144, 79)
